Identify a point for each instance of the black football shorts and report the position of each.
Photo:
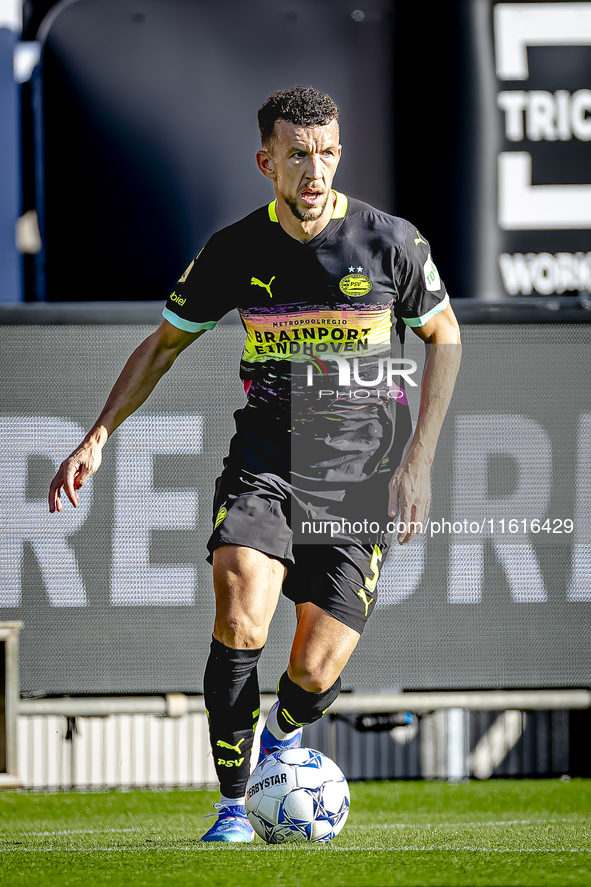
(257, 506)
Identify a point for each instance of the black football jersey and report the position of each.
(325, 319)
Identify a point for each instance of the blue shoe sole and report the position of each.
(227, 839)
(230, 830)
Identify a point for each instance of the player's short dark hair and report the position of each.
(302, 105)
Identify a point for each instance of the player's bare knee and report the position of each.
(312, 679)
(241, 633)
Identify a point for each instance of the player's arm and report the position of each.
(410, 488)
(139, 377)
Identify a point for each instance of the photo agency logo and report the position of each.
(351, 382)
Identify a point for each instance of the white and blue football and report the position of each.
(297, 794)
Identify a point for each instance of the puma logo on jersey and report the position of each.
(366, 600)
(254, 281)
(419, 239)
(235, 748)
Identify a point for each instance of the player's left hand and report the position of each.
(410, 497)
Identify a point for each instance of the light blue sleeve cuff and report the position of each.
(187, 325)
(421, 321)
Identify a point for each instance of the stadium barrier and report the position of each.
(159, 741)
(178, 704)
(9, 701)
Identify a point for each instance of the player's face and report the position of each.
(304, 161)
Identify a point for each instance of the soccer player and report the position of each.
(325, 286)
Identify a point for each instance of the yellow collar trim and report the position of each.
(341, 205)
(339, 212)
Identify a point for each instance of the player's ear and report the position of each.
(265, 164)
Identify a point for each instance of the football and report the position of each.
(297, 794)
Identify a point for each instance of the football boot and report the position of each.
(232, 825)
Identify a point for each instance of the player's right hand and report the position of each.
(73, 474)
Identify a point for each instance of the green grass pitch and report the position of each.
(494, 833)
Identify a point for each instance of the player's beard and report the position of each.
(314, 213)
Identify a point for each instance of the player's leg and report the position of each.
(339, 583)
(321, 648)
(247, 584)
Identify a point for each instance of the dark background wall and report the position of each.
(139, 133)
(149, 112)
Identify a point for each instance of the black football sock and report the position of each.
(231, 691)
(298, 707)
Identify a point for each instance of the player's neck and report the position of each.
(304, 231)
